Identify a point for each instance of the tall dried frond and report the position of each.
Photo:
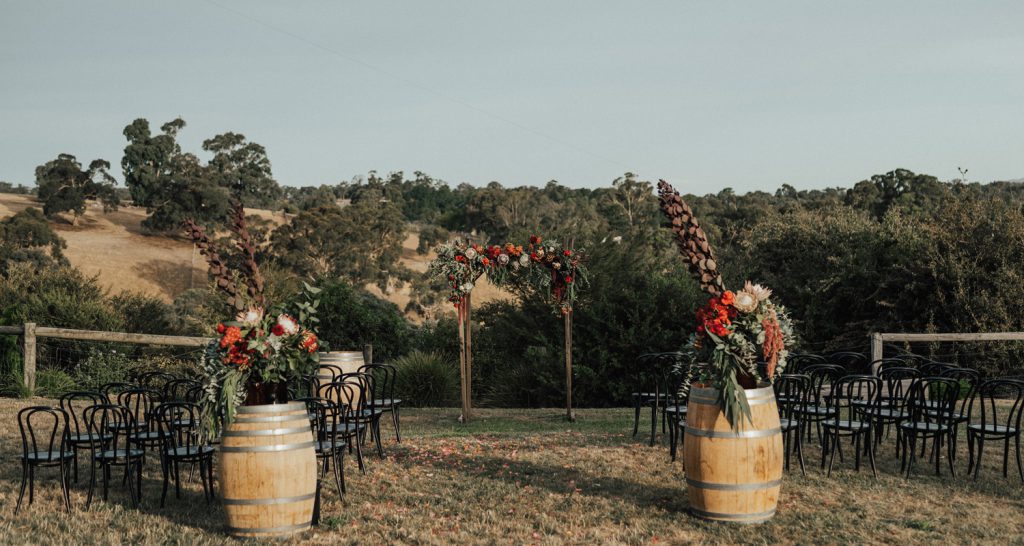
(691, 239)
(250, 269)
(218, 269)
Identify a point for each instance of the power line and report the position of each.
(426, 89)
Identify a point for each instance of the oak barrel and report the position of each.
(268, 471)
(732, 475)
(348, 361)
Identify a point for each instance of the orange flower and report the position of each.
(231, 335)
(728, 298)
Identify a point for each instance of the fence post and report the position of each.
(29, 355)
(876, 351)
(368, 353)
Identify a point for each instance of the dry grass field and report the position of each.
(113, 247)
(528, 477)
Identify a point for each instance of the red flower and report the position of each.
(534, 257)
(535, 240)
(232, 334)
(309, 342)
(493, 251)
(728, 297)
(566, 253)
(460, 258)
(486, 262)
(277, 330)
(568, 279)
(221, 328)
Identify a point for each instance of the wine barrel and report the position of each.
(731, 475)
(348, 361)
(268, 471)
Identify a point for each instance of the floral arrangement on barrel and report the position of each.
(743, 335)
(461, 264)
(264, 348)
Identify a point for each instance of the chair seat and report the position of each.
(924, 427)
(47, 456)
(677, 410)
(788, 424)
(118, 454)
(845, 425)
(816, 410)
(326, 446)
(147, 436)
(993, 429)
(87, 438)
(387, 402)
(188, 451)
(346, 427)
(373, 412)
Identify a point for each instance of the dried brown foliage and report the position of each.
(691, 239)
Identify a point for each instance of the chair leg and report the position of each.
(165, 474)
(654, 421)
(375, 424)
(359, 455)
(856, 449)
(871, 455)
(970, 452)
(912, 448)
(138, 479)
(835, 447)
(24, 482)
(1006, 455)
(202, 477)
(31, 483)
(92, 481)
(337, 474)
(394, 421)
(64, 488)
(800, 451)
(981, 450)
(636, 417)
(951, 456)
(209, 477)
(937, 448)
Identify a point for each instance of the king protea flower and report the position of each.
(758, 291)
(744, 302)
(250, 316)
(288, 324)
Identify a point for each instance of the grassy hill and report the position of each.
(113, 247)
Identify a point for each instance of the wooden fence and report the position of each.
(878, 339)
(29, 333)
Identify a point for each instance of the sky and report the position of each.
(708, 95)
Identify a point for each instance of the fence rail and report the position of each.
(878, 339)
(29, 333)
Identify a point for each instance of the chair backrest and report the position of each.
(896, 381)
(384, 376)
(791, 390)
(154, 380)
(851, 390)
(44, 429)
(822, 376)
(325, 416)
(348, 399)
(890, 362)
(997, 402)
(796, 362)
(850, 360)
(141, 403)
(110, 426)
(110, 391)
(176, 390)
(74, 403)
(934, 369)
(178, 424)
(932, 400)
(969, 380)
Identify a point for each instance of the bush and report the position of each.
(427, 379)
(102, 367)
(53, 383)
(142, 313)
(350, 318)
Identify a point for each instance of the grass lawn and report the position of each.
(528, 477)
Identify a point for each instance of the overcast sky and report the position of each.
(709, 95)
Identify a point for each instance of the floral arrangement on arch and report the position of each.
(262, 345)
(547, 267)
(743, 335)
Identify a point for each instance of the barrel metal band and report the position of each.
(714, 401)
(272, 408)
(266, 432)
(755, 517)
(280, 500)
(269, 419)
(730, 434)
(281, 529)
(733, 486)
(257, 449)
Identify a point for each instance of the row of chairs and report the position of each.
(119, 422)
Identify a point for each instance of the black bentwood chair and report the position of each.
(110, 426)
(44, 434)
(790, 395)
(385, 376)
(330, 448)
(994, 414)
(931, 403)
(178, 425)
(74, 403)
(846, 419)
(816, 407)
(348, 404)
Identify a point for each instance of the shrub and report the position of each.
(427, 379)
(52, 383)
(350, 318)
(102, 367)
(145, 314)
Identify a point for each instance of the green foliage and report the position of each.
(350, 318)
(52, 383)
(28, 237)
(145, 314)
(360, 243)
(427, 379)
(64, 186)
(56, 296)
(243, 168)
(103, 366)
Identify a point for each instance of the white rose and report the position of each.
(524, 260)
(470, 253)
(503, 259)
